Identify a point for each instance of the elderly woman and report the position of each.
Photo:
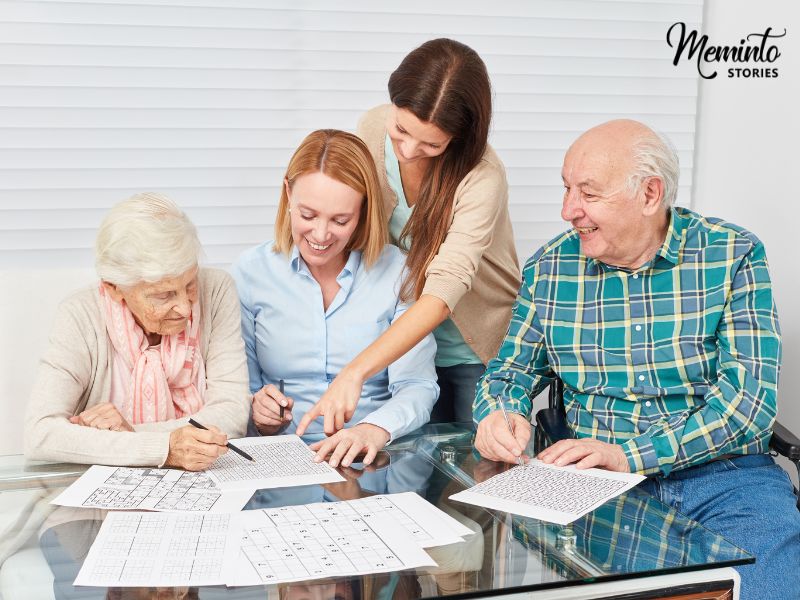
(324, 290)
(131, 358)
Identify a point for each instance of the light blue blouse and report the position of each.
(289, 335)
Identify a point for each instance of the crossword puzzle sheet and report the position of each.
(169, 490)
(137, 549)
(280, 461)
(548, 493)
(294, 543)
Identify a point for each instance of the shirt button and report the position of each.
(641, 377)
(638, 328)
(636, 276)
(648, 403)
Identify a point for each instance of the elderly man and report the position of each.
(662, 325)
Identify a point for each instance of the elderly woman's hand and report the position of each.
(345, 445)
(195, 449)
(102, 416)
(267, 403)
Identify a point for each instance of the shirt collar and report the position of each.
(344, 278)
(673, 242)
(669, 251)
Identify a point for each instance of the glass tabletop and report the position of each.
(633, 535)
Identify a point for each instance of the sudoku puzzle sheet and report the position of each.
(157, 549)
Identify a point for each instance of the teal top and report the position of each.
(451, 349)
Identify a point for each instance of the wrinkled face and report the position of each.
(162, 307)
(324, 214)
(413, 139)
(607, 216)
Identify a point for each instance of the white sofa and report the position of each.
(28, 300)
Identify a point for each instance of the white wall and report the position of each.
(746, 161)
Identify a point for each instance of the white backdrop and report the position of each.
(205, 99)
(746, 163)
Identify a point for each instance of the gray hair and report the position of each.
(655, 156)
(145, 238)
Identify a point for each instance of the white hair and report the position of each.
(655, 156)
(145, 238)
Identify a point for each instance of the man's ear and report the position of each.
(113, 291)
(653, 190)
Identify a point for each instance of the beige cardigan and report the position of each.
(75, 373)
(476, 272)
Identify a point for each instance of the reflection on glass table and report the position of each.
(42, 546)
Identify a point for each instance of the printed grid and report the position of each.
(194, 551)
(285, 459)
(303, 545)
(192, 491)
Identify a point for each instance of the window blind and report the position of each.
(205, 101)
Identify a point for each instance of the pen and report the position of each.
(280, 388)
(241, 453)
(520, 462)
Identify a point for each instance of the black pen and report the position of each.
(241, 453)
(280, 388)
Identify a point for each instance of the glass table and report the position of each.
(633, 536)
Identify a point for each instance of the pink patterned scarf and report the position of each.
(154, 383)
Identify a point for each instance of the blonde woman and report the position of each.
(324, 290)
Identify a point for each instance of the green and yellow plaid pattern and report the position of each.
(677, 361)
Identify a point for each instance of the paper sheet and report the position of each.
(281, 461)
(548, 493)
(171, 490)
(295, 543)
(137, 549)
(427, 525)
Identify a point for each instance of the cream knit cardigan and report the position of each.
(75, 374)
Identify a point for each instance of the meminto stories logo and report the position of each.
(755, 49)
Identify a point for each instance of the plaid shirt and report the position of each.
(676, 361)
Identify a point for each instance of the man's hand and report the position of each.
(345, 445)
(195, 449)
(495, 442)
(337, 404)
(267, 403)
(102, 416)
(586, 453)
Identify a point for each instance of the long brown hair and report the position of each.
(445, 83)
(344, 157)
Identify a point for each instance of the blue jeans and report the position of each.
(457, 385)
(748, 500)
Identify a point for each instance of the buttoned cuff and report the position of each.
(642, 457)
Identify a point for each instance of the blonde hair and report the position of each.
(145, 238)
(344, 157)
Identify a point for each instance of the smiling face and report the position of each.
(324, 214)
(414, 140)
(163, 307)
(616, 226)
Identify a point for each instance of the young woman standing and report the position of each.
(445, 191)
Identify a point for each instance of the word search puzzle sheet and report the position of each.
(294, 543)
(137, 549)
(280, 461)
(548, 493)
(131, 488)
